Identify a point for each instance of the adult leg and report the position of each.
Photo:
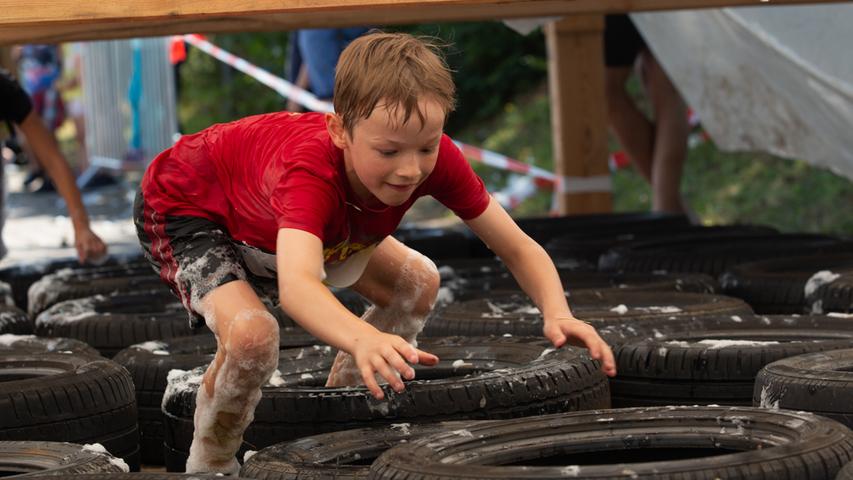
(402, 284)
(246, 356)
(633, 130)
(671, 131)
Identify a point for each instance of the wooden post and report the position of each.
(579, 113)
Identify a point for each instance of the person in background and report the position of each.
(313, 56)
(40, 67)
(16, 106)
(657, 146)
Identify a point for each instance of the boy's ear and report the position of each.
(335, 127)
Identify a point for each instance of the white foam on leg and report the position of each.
(400, 317)
(221, 418)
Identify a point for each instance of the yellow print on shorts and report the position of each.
(341, 251)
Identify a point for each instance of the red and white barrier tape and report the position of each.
(541, 177)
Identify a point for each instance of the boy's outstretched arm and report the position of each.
(303, 296)
(535, 272)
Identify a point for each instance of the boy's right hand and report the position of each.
(384, 354)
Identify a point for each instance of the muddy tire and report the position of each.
(132, 476)
(543, 229)
(14, 320)
(69, 398)
(780, 286)
(821, 383)
(667, 443)
(714, 256)
(846, 473)
(149, 365)
(53, 459)
(516, 315)
(32, 344)
(712, 360)
(493, 378)
(835, 296)
(341, 455)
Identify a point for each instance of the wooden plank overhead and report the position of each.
(69, 20)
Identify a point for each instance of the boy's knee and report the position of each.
(425, 284)
(253, 341)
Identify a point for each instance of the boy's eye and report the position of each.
(427, 150)
(387, 153)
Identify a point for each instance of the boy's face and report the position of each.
(385, 159)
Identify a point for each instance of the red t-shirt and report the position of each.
(281, 170)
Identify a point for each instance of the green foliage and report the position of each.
(491, 64)
(212, 92)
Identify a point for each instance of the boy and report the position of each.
(324, 192)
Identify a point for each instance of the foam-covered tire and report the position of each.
(478, 378)
(110, 323)
(10, 343)
(834, 296)
(68, 398)
(149, 365)
(29, 459)
(132, 476)
(789, 285)
(14, 320)
(21, 277)
(6, 297)
(821, 383)
(714, 256)
(516, 315)
(341, 455)
(712, 360)
(665, 443)
(68, 284)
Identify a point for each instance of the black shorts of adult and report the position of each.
(193, 256)
(622, 41)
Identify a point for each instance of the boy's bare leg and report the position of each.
(671, 131)
(630, 126)
(402, 284)
(246, 356)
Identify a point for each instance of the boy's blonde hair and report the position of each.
(395, 67)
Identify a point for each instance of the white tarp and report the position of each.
(776, 79)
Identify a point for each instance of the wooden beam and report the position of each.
(72, 20)
(578, 113)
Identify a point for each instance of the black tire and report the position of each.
(713, 256)
(543, 229)
(515, 314)
(668, 443)
(535, 381)
(149, 365)
(131, 476)
(436, 243)
(589, 246)
(68, 284)
(463, 288)
(52, 459)
(846, 473)
(111, 323)
(69, 398)
(708, 360)
(14, 320)
(341, 455)
(34, 344)
(836, 296)
(20, 277)
(779, 286)
(821, 383)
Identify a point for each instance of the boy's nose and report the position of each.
(410, 168)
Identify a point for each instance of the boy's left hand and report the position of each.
(560, 330)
